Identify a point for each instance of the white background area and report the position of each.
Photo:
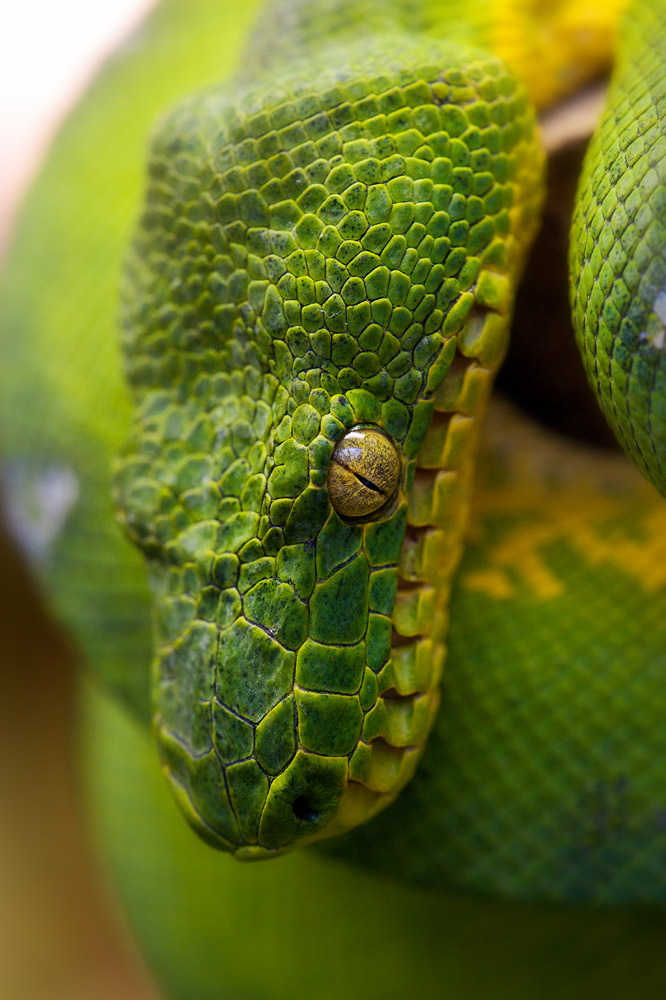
(49, 50)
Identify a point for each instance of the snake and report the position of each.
(251, 507)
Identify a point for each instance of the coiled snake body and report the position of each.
(317, 298)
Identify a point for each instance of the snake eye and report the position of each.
(364, 472)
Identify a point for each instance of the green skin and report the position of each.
(543, 778)
(305, 264)
(617, 260)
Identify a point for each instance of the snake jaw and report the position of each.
(309, 264)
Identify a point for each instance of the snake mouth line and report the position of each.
(409, 685)
(396, 728)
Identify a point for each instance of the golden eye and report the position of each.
(364, 472)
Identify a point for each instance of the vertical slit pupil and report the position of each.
(369, 485)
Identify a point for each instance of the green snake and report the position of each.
(317, 297)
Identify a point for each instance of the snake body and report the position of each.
(617, 252)
(331, 246)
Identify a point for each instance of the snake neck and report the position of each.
(553, 46)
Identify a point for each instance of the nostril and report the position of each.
(303, 810)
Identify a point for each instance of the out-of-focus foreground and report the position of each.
(57, 939)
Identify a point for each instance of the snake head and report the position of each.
(310, 263)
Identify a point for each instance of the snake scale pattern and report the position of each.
(316, 300)
(340, 260)
(315, 263)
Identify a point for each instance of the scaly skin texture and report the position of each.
(544, 776)
(312, 259)
(553, 48)
(618, 262)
